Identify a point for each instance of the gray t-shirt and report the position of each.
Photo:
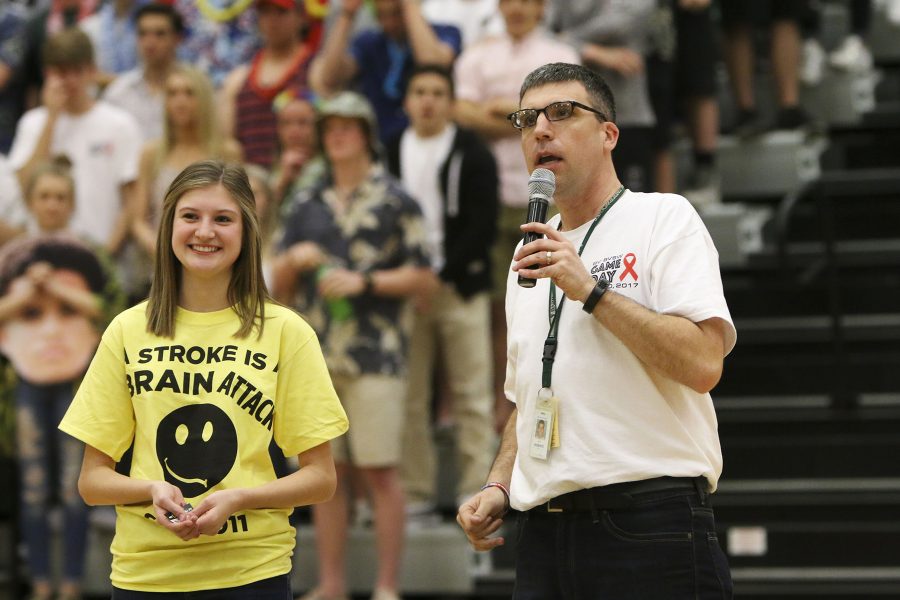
(624, 23)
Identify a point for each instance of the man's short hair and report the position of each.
(439, 70)
(601, 95)
(165, 10)
(67, 49)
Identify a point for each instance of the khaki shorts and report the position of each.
(375, 406)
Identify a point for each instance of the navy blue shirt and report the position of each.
(384, 68)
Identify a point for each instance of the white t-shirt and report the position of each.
(475, 19)
(130, 92)
(104, 146)
(12, 207)
(618, 419)
(420, 164)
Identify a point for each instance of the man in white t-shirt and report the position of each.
(616, 347)
(102, 141)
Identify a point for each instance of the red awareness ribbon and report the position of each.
(629, 267)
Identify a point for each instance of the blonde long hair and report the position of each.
(208, 126)
(247, 293)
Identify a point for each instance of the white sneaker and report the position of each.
(384, 594)
(852, 55)
(812, 63)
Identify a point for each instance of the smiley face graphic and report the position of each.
(196, 446)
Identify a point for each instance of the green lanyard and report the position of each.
(554, 310)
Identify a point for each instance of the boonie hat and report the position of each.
(354, 106)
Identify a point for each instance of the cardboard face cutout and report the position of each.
(48, 329)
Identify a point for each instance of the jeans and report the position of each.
(49, 460)
(662, 548)
(274, 588)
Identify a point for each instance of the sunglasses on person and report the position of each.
(527, 117)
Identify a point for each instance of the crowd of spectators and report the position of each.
(391, 189)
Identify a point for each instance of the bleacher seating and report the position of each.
(809, 409)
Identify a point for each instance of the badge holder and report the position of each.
(545, 428)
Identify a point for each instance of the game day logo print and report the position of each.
(619, 270)
(196, 446)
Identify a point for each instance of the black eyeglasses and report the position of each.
(527, 117)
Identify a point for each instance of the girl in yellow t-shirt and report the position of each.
(198, 382)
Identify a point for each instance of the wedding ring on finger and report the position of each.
(549, 257)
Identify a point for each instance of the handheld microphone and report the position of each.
(541, 186)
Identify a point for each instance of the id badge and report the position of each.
(543, 425)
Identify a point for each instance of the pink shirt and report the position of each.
(496, 68)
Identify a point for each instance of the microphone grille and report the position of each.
(543, 182)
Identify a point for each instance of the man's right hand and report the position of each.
(53, 94)
(480, 517)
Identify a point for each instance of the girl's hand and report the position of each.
(167, 498)
(215, 509)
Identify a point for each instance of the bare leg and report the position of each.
(785, 51)
(390, 520)
(664, 172)
(70, 590)
(739, 59)
(331, 524)
(41, 588)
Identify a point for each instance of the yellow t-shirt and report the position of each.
(201, 410)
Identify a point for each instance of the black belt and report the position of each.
(620, 495)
